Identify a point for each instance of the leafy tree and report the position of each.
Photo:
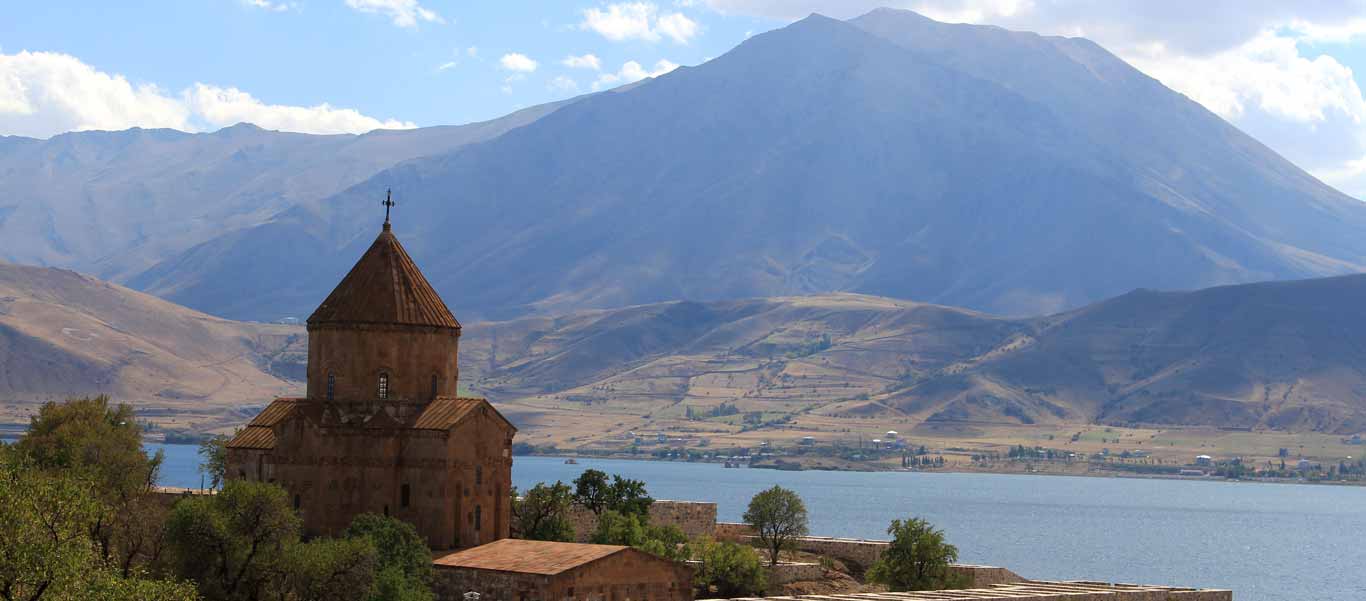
(326, 569)
(543, 513)
(213, 453)
(403, 571)
(592, 491)
(595, 492)
(233, 543)
(917, 559)
(727, 571)
(631, 530)
(46, 551)
(629, 496)
(103, 442)
(778, 517)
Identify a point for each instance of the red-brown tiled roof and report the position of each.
(274, 413)
(384, 287)
(445, 412)
(528, 556)
(253, 437)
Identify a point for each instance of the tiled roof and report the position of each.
(528, 556)
(274, 413)
(253, 437)
(445, 412)
(384, 287)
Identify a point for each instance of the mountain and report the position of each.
(116, 203)
(63, 333)
(1281, 355)
(1278, 355)
(890, 155)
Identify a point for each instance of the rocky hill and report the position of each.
(1284, 356)
(891, 155)
(62, 334)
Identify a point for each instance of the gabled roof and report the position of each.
(384, 287)
(528, 556)
(260, 433)
(444, 412)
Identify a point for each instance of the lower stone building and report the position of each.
(526, 570)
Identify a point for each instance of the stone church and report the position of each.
(382, 428)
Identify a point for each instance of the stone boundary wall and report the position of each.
(860, 554)
(786, 572)
(694, 518)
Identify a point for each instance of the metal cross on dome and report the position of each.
(388, 202)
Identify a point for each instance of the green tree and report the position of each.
(213, 453)
(326, 569)
(778, 517)
(103, 442)
(592, 491)
(595, 492)
(543, 513)
(631, 530)
(404, 564)
(917, 559)
(233, 544)
(46, 551)
(727, 570)
(629, 496)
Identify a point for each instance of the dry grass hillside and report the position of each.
(1281, 356)
(63, 333)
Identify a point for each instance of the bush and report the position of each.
(727, 570)
(543, 513)
(631, 530)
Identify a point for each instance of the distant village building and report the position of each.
(523, 570)
(382, 429)
(1204, 460)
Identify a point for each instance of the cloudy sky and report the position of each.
(1283, 71)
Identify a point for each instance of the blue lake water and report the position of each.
(1267, 542)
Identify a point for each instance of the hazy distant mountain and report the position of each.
(1284, 355)
(890, 155)
(116, 203)
(62, 333)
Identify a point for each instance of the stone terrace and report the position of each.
(1032, 591)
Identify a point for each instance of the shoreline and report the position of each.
(949, 470)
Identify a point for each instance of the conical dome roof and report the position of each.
(385, 287)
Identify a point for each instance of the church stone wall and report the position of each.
(357, 354)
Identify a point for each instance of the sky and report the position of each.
(1285, 72)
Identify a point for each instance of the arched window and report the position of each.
(478, 517)
(331, 386)
(297, 502)
(478, 475)
(403, 496)
(383, 386)
(433, 385)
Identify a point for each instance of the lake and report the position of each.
(1267, 542)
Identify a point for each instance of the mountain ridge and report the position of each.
(824, 157)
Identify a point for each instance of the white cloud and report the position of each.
(563, 83)
(677, 27)
(638, 21)
(47, 93)
(447, 65)
(587, 61)
(403, 13)
(516, 61)
(277, 7)
(472, 51)
(632, 71)
(226, 106)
